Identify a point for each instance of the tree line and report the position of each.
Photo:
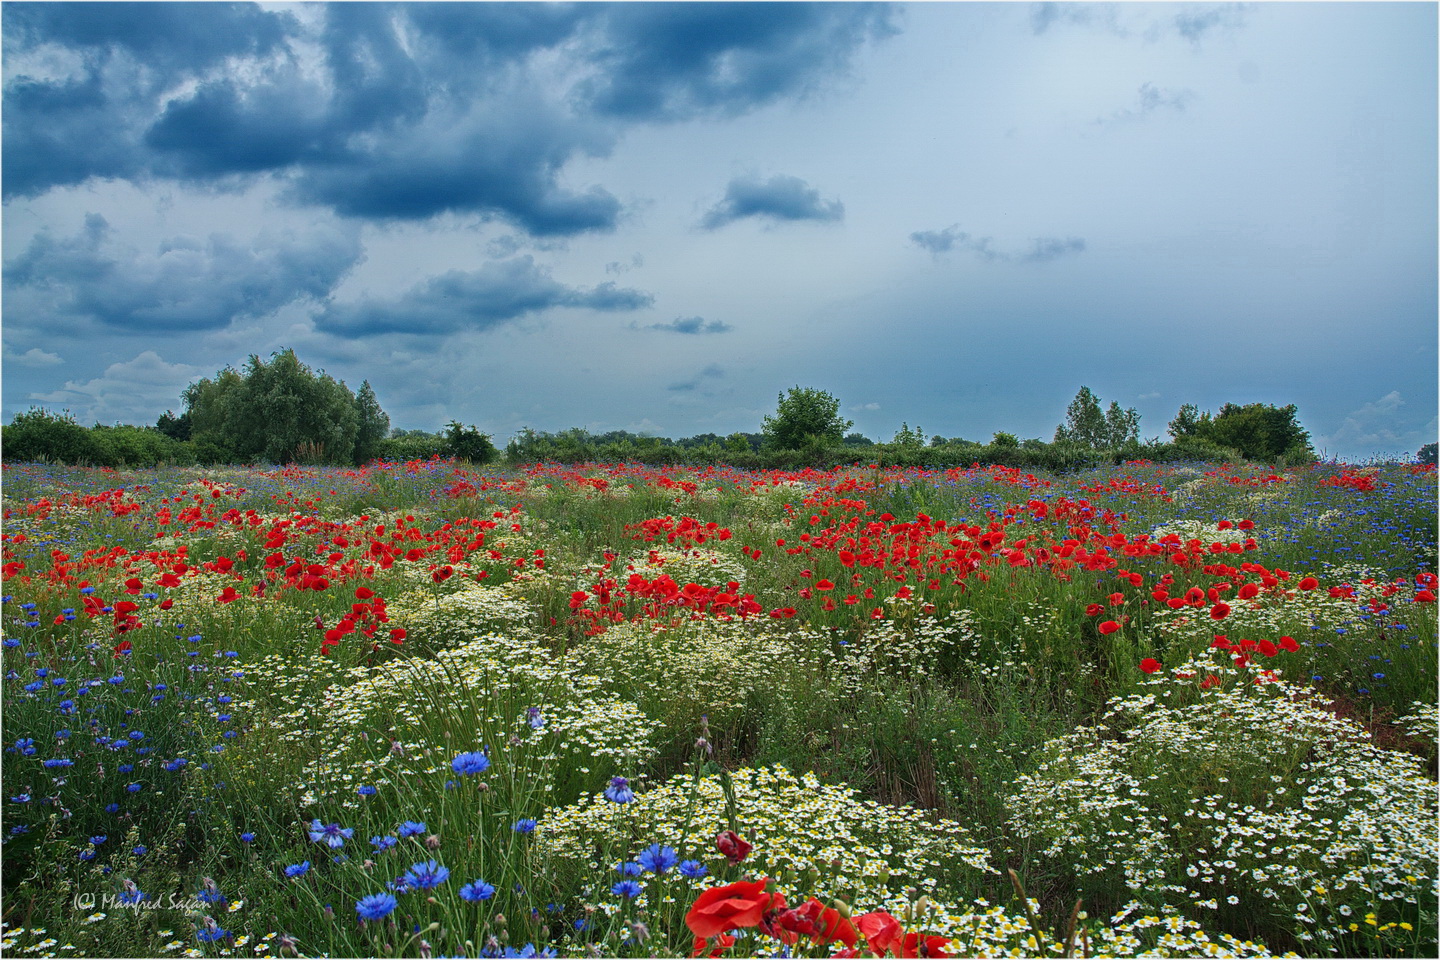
(281, 411)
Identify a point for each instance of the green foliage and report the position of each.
(1255, 431)
(411, 445)
(176, 428)
(1426, 454)
(1003, 439)
(41, 435)
(906, 437)
(374, 424)
(805, 418)
(284, 412)
(1087, 426)
(467, 443)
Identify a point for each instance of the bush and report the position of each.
(41, 435)
(468, 443)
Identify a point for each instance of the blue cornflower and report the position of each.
(59, 762)
(26, 746)
(140, 850)
(247, 838)
(298, 869)
(658, 859)
(693, 869)
(382, 844)
(627, 889)
(87, 854)
(332, 835)
(132, 896)
(133, 787)
(376, 906)
(619, 791)
(367, 791)
(467, 763)
(476, 891)
(62, 734)
(209, 895)
(179, 762)
(209, 936)
(411, 828)
(136, 735)
(425, 876)
(524, 825)
(533, 717)
(629, 869)
(99, 840)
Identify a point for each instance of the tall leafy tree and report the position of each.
(284, 412)
(1088, 425)
(374, 424)
(805, 417)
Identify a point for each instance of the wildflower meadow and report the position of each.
(431, 709)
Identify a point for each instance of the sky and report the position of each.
(659, 217)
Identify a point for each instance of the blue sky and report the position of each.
(657, 217)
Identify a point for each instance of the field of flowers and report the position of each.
(611, 710)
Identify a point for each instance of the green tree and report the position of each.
(1121, 426)
(1003, 439)
(468, 443)
(280, 411)
(1427, 454)
(1089, 426)
(1256, 431)
(1260, 431)
(805, 418)
(37, 434)
(906, 437)
(374, 424)
(1189, 423)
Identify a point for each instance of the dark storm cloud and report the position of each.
(165, 36)
(1041, 249)
(397, 111)
(779, 198)
(673, 61)
(186, 284)
(691, 325)
(498, 292)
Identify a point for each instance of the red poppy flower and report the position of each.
(733, 846)
(1093, 610)
(1424, 596)
(1220, 611)
(824, 585)
(1150, 665)
(1267, 648)
(1109, 626)
(731, 907)
(1288, 644)
(1309, 583)
(722, 943)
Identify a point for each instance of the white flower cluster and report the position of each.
(815, 839)
(713, 667)
(462, 612)
(907, 645)
(1248, 800)
(1422, 722)
(1206, 532)
(364, 731)
(700, 565)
